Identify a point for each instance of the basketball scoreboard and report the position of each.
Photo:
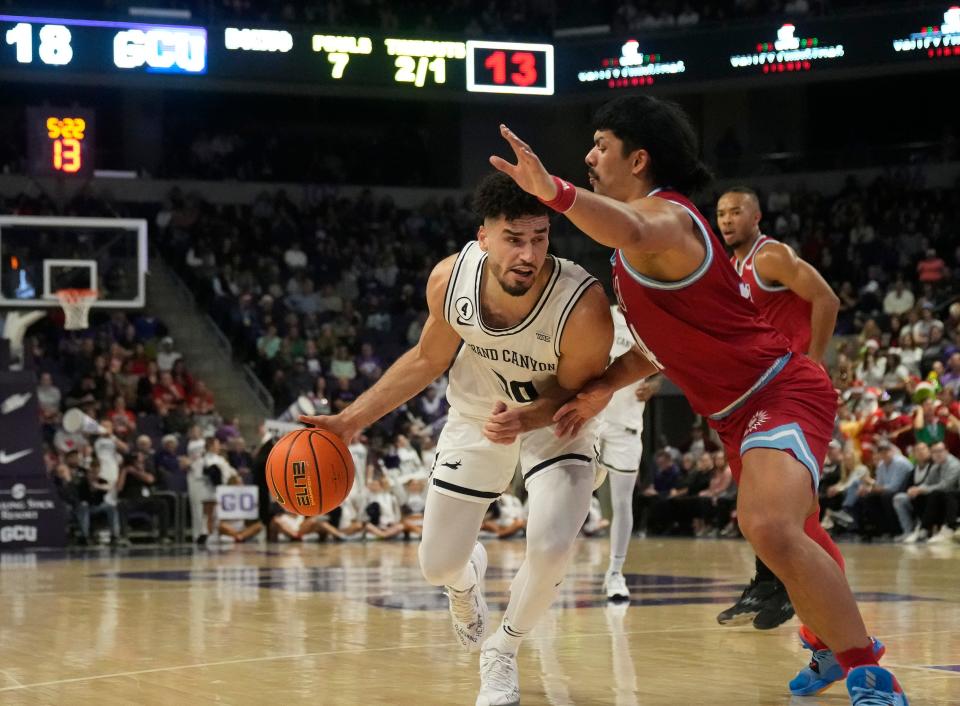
(331, 61)
(295, 56)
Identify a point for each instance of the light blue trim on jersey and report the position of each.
(768, 375)
(756, 275)
(689, 279)
(788, 437)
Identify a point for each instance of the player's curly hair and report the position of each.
(663, 129)
(498, 195)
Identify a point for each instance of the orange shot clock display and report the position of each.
(60, 141)
(67, 135)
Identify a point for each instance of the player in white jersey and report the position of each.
(619, 449)
(524, 331)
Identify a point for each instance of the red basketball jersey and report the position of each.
(789, 313)
(707, 338)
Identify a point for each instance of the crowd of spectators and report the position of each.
(320, 296)
(149, 425)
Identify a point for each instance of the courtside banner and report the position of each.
(31, 514)
(238, 502)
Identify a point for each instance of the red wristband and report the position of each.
(565, 198)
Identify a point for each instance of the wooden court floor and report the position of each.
(354, 624)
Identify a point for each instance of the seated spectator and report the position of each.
(383, 510)
(899, 299)
(268, 345)
(717, 501)
(124, 421)
(239, 457)
(95, 501)
(368, 364)
(667, 481)
(135, 489)
(201, 400)
(841, 496)
(342, 366)
(167, 356)
(182, 377)
(505, 517)
(596, 523)
(167, 392)
(875, 512)
(170, 466)
(318, 396)
(931, 269)
(48, 398)
(934, 498)
(298, 527)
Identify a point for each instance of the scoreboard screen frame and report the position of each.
(513, 48)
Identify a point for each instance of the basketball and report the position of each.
(310, 471)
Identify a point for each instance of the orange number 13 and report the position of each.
(66, 155)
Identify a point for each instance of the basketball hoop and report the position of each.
(76, 305)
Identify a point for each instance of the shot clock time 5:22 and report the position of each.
(60, 141)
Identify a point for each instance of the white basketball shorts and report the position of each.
(470, 467)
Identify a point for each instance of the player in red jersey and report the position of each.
(801, 305)
(773, 409)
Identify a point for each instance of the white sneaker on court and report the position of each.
(918, 535)
(944, 535)
(616, 586)
(499, 679)
(468, 609)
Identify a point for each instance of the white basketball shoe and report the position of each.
(468, 609)
(499, 679)
(616, 586)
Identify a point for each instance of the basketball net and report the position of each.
(76, 305)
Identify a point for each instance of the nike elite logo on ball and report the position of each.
(10, 458)
(14, 402)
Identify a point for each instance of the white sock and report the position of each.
(621, 498)
(616, 565)
(506, 639)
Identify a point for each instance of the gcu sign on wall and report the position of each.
(30, 511)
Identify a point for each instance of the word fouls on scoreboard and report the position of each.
(415, 60)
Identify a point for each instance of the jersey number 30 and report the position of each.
(516, 390)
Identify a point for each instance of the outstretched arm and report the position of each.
(777, 262)
(412, 372)
(629, 368)
(641, 226)
(582, 358)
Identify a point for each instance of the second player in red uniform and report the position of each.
(773, 409)
(801, 305)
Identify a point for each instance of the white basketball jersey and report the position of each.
(624, 408)
(509, 365)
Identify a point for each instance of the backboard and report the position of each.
(40, 255)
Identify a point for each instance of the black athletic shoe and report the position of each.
(776, 610)
(749, 604)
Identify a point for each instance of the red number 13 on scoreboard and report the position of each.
(526, 63)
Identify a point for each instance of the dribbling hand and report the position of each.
(588, 403)
(332, 423)
(528, 172)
